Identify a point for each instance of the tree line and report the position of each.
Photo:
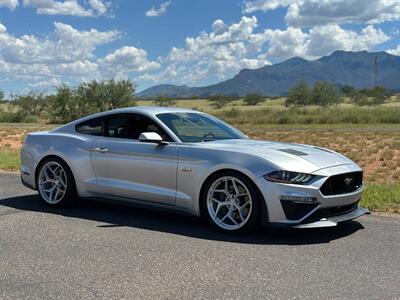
(69, 103)
(324, 93)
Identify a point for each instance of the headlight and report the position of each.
(289, 177)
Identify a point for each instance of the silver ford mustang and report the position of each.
(191, 162)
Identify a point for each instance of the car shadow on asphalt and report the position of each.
(113, 216)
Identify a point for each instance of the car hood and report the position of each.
(286, 156)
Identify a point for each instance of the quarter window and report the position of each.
(91, 127)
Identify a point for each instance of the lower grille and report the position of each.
(331, 212)
(342, 184)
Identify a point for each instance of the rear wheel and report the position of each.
(230, 202)
(55, 183)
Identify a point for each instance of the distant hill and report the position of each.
(340, 68)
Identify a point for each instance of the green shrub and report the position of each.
(253, 99)
(220, 101)
(164, 102)
(299, 94)
(324, 94)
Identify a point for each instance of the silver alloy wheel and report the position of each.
(229, 203)
(52, 182)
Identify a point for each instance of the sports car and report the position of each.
(191, 162)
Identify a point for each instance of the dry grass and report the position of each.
(11, 140)
(376, 151)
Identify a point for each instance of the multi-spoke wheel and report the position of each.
(231, 202)
(55, 182)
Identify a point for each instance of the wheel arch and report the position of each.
(46, 157)
(264, 211)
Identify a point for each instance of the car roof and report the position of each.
(150, 110)
(145, 110)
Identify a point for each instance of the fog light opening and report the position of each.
(298, 199)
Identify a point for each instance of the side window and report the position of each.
(130, 127)
(91, 127)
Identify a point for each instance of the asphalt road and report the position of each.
(103, 251)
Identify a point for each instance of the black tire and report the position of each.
(69, 196)
(253, 221)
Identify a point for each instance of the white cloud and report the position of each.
(308, 13)
(156, 12)
(70, 45)
(325, 39)
(215, 55)
(126, 60)
(69, 54)
(11, 4)
(320, 40)
(99, 6)
(394, 51)
(264, 5)
(286, 43)
(68, 7)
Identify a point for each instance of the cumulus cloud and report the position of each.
(264, 5)
(11, 4)
(320, 40)
(395, 51)
(308, 13)
(69, 7)
(216, 54)
(99, 6)
(126, 60)
(68, 54)
(156, 12)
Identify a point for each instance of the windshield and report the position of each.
(196, 127)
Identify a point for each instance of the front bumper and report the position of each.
(305, 206)
(333, 221)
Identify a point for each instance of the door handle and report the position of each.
(101, 150)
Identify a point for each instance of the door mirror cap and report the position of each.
(151, 137)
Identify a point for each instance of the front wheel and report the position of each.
(230, 202)
(55, 183)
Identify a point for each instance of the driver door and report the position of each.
(133, 170)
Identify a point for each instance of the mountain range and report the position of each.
(340, 68)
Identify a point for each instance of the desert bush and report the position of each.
(324, 94)
(220, 101)
(164, 102)
(106, 95)
(31, 106)
(369, 97)
(299, 94)
(253, 99)
(232, 113)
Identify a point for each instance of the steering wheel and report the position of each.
(210, 134)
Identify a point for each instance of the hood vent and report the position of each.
(294, 152)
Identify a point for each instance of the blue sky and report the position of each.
(46, 42)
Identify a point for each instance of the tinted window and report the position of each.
(131, 126)
(92, 127)
(195, 127)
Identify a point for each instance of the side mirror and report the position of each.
(151, 137)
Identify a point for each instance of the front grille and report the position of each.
(331, 212)
(342, 184)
